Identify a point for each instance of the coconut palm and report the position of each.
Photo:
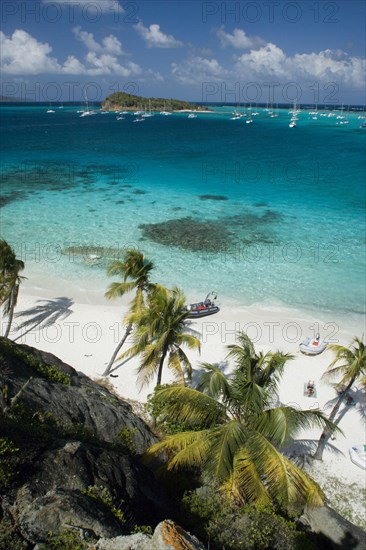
(10, 281)
(238, 430)
(352, 367)
(160, 333)
(135, 271)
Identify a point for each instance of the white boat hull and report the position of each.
(308, 347)
(358, 455)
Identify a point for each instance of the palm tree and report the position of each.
(10, 281)
(238, 430)
(160, 332)
(135, 270)
(352, 368)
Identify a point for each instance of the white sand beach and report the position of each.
(82, 328)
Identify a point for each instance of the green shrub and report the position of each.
(65, 539)
(225, 524)
(52, 373)
(144, 529)
(7, 461)
(104, 498)
(125, 437)
(10, 539)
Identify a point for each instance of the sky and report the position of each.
(269, 51)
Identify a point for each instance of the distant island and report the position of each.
(128, 102)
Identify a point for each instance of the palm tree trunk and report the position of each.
(161, 363)
(160, 373)
(318, 455)
(115, 353)
(11, 311)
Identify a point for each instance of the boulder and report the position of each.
(70, 452)
(334, 529)
(167, 536)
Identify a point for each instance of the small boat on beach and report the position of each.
(313, 346)
(201, 309)
(358, 455)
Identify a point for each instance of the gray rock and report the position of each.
(338, 531)
(170, 536)
(82, 402)
(167, 536)
(55, 471)
(131, 542)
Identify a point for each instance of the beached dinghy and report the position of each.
(358, 455)
(313, 346)
(207, 307)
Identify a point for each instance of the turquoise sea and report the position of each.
(260, 212)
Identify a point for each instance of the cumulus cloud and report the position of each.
(110, 44)
(239, 39)
(270, 62)
(103, 6)
(23, 54)
(155, 38)
(197, 70)
(325, 66)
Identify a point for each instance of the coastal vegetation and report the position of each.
(217, 446)
(160, 333)
(130, 102)
(352, 368)
(135, 271)
(10, 281)
(235, 429)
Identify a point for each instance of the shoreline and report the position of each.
(84, 334)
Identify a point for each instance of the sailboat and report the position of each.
(50, 110)
(145, 115)
(88, 112)
(164, 112)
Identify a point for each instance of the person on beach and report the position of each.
(310, 387)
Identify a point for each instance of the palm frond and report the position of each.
(116, 290)
(283, 480)
(282, 424)
(185, 449)
(190, 406)
(225, 442)
(213, 381)
(174, 364)
(245, 483)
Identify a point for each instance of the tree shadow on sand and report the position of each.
(44, 315)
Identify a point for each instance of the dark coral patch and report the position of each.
(189, 234)
(213, 198)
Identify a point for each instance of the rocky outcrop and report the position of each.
(336, 530)
(167, 536)
(81, 401)
(79, 445)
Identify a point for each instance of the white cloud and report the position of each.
(155, 38)
(325, 66)
(332, 65)
(110, 44)
(270, 63)
(22, 54)
(239, 39)
(87, 38)
(197, 70)
(102, 6)
(268, 60)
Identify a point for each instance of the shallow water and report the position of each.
(258, 212)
